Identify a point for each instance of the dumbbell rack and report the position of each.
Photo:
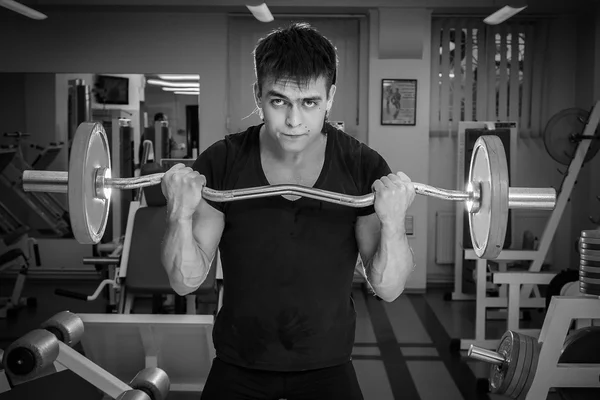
(537, 257)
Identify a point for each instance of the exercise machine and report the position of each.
(563, 357)
(565, 147)
(48, 350)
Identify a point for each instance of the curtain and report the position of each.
(488, 73)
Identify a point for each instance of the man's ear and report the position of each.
(330, 97)
(257, 95)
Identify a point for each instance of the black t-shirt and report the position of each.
(288, 265)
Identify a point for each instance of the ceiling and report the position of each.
(304, 6)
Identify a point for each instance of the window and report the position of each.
(486, 73)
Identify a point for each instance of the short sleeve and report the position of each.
(212, 164)
(373, 167)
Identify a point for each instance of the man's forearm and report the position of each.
(389, 268)
(184, 261)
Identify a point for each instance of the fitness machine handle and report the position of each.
(81, 296)
(16, 134)
(73, 295)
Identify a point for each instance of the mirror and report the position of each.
(39, 115)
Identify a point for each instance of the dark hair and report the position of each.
(298, 52)
(159, 117)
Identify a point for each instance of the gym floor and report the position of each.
(402, 349)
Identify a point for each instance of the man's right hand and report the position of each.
(182, 187)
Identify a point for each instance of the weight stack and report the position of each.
(589, 262)
(165, 135)
(80, 106)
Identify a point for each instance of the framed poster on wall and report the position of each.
(399, 102)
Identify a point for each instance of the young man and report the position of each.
(286, 327)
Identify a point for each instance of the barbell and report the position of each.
(89, 183)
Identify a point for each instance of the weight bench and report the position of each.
(141, 269)
(180, 345)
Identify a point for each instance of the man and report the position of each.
(286, 327)
(149, 134)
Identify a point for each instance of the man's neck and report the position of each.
(271, 148)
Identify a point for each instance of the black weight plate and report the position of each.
(535, 355)
(589, 258)
(585, 274)
(589, 263)
(559, 132)
(589, 268)
(581, 347)
(588, 288)
(502, 375)
(589, 252)
(589, 240)
(589, 246)
(519, 365)
(589, 280)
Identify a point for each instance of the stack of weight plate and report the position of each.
(589, 262)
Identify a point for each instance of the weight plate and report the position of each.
(489, 171)
(588, 288)
(558, 135)
(587, 257)
(88, 213)
(502, 375)
(589, 240)
(581, 347)
(590, 246)
(519, 364)
(591, 233)
(589, 252)
(591, 281)
(588, 268)
(535, 354)
(585, 274)
(588, 263)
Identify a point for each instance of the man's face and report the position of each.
(294, 115)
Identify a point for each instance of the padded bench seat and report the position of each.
(145, 272)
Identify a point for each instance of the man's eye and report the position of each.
(277, 102)
(310, 103)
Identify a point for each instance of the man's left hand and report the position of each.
(394, 193)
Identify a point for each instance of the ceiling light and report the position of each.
(173, 77)
(261, 12)
(503, 14)
(179, 89)
(193, 93)
(22, 9)
(173, 84)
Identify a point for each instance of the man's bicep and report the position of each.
(207, 227)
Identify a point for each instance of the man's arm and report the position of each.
(386, 255)
(189, 246)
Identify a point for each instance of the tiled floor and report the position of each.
(402, 349)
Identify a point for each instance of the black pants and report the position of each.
(230, 382)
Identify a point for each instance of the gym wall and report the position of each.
(137, 42)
